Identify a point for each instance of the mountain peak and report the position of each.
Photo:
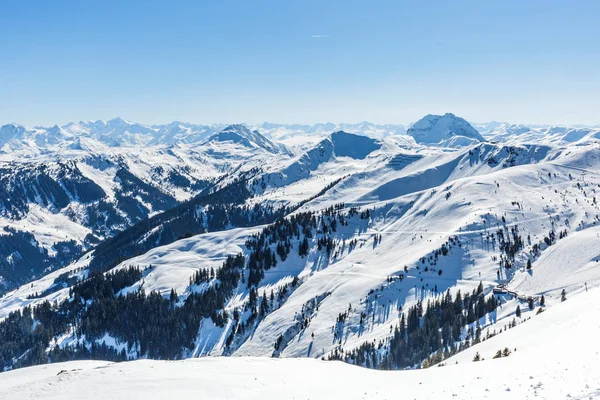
(117, 121)
(352, 145)
(238, 128)
(9, 131)
(433, 129)
(240, 134)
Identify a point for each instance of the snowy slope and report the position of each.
(172, 265)
(333, 158)
(571, 264)
(413, 222)
(25, 295)
(536, 368)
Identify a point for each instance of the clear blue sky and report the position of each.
(299, 60)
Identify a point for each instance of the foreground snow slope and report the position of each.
(556, 357)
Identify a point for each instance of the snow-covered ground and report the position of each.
(554, 355)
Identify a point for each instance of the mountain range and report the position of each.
(382, 246)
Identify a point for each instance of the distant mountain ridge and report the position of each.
(446, 130)
(118, 132)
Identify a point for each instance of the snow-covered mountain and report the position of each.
(347, 247)
(54, 209)
(66, 189)
(560, 135)
(99, 134)
(240, 134)
(118, 132)
(445, 129)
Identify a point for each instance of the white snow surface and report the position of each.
(171, 266)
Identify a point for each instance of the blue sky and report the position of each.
(299, 61)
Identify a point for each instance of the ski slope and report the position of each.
(572, 264)
(553, 356)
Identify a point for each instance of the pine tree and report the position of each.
(528, 264)
(518, 312)
(303, 248)
(173, 297)
(542, 301)
(563, 295)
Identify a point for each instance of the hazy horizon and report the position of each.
(404, 124)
